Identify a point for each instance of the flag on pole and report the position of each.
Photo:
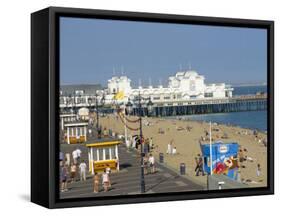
(119, 96)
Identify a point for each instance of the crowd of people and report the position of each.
(149, 164)
(75, 169)
(69, 169)
(244, 157)
(106, 183)
(148, 148)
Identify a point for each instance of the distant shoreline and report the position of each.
(248, 85)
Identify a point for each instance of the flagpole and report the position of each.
(211, 153)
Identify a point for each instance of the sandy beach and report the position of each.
(188, 147)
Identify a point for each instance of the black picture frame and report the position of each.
(45, 100)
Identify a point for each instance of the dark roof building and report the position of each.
(79, 89)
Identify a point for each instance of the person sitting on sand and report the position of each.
(206, 132)
(264, 142)
(241, 156)
(161, 131)
(247, 158)
(146, 123)
(180, 128)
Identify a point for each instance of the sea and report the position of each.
(253, 119)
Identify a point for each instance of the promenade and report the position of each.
(127, 180)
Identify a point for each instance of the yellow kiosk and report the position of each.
(103, 153)
(76, 132)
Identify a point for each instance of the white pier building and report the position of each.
(184, 86)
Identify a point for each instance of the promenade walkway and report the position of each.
(127, 180)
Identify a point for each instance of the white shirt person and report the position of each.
(83, 167)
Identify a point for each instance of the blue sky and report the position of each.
(92, 49)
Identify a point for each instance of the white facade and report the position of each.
(118, 84)
(184, 86)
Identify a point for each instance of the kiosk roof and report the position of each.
(103, 142)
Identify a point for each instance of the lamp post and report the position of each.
(142, 182)
(129, 108)
(149, 106)
(90, 103)
(66, 104)
(97, 113)
(73, 102)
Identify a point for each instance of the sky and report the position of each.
(93, 50)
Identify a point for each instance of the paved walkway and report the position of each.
(127, 180)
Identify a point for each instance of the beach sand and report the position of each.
(188, 147)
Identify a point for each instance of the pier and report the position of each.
(235, 104)
(189, 107)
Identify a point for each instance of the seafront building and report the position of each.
(183, 87)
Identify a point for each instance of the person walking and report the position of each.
(258, 170)
(238, 176)
(200, 164)
(134, 144)
(145, 164)
(105, 180)
(78, 153)
(73, 170)
(116, 163)
(169, 149)
(151, 161)
(67, 158)
(90, 132)
(61, 156)
(82, 168)
(74, 156)
(197, 166)
(105, 134)
(108, 171)
(96, 183)
(63, 178)
(146, 146)
(151, 143)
